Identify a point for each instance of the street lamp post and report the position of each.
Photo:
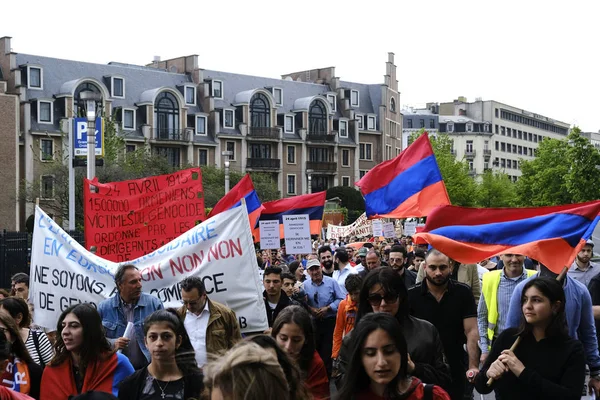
(91, 101)
(309, 173)
(227, 154)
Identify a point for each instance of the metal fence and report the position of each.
(15, 253)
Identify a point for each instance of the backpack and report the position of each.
(428, 391)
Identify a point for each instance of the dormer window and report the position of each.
(45, 112)
(450, 127)
(118, 87)
(354, 101)
(469, 127)
(289, 123)
(201, 125)
(486, 127)
(217, 89)
(343, 128)
(128, 119)
(35, 78)
(228, 119)
(278, 95)
(190, 95)
(371, 122)
(332, 99)
(360, 120)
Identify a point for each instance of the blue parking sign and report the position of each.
(80, 137)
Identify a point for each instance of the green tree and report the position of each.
(352, 201)
(583, 178)
(496, 190)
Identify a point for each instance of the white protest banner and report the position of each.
(377, 227)
(389, 231)
(296, 231)
(220, 251)
(410, 228)
(269, 234)
(361, 227)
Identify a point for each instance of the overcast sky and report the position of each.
(541, 56)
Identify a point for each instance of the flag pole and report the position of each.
(559, 278)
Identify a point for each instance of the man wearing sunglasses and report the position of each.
(397, 260)
(450, 306)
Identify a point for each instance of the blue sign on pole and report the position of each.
(80, 137)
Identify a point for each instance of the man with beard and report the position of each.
(397, 262)
(450, 307)
(582, 269)
(326, 257)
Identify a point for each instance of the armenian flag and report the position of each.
(243, 190)
(409, 185)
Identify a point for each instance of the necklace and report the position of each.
(162, 391)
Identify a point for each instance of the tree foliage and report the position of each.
(496, 190)
(352, 201)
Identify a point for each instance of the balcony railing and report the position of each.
(470, 153)
(263, 132)
(487, 153)
(266, 163)
(321, 137)
(171, 134)
(321, 166)
(472, 172)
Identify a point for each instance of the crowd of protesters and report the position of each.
(368, 320)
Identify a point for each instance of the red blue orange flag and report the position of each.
(243, 190)
(552, 235)
(409, 185)
(311, 204)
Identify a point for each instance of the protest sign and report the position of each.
(410, 228)
(269, 235)
(359, 228)
(220, 251)
(296, 231)
(388, 230)
(377, 227)
(126, 220)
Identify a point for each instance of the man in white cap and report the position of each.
(582, 269)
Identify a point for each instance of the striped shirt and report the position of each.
(45, 350)
(505, 291)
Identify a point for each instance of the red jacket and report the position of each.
(7, 394)
(316, 381)
(416, 391)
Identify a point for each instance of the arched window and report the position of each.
(317, 118)
(166, 116)
(393, 104)
(80, 105)
(260, 111)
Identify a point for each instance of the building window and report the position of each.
(217, 89)
(166, 115)
(345, 181)
(409, 122)
(320, 154)
(172, 154)
(35, 78)
(365, 151)
(431, 124)
(503, 163)
(200, 125)
(128, 119)
(469, 127)
(47, 149)
(360, 119)
(289, 124)
(231, 147)
(362, 173)
(190, 95)
(388, 152)
(228, 123)
(471, 165)
(496, 112)
(450, 127)
(520, 136)
(497, 146)
(496, 129)
(520, 149)
(45, 112)
(421, 123)
(291, 184)
(260, 111)
(47, 189)
(371, 122)
(503, 131)
(486, 145)
(278, 95)
(118, 87)
(317, 118)
(530, 137)
(130, 148)
(514, 148)
(202, 157)
(262, 151)
(354, 98)
(344, 129)
(345, 158)
(291, 154)
(332, 99)
(514, 163)
(392, 104)
(486, 127)
(508, 132)
(469, 148)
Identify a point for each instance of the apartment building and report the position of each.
(308, 126)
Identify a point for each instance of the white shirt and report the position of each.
(196, 325)
(481, 270)
(340, 276)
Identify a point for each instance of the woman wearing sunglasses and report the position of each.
(383, 291)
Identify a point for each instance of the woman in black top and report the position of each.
(547, 364)
(173, 373)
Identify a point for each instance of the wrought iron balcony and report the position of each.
(487, 153)
(470, 153)
(472, 172)
(321, 166)
(321, 137)
(263, 132)
(181, 135)
(263, 163)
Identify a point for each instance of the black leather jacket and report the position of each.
(424, 347)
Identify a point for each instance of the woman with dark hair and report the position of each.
(20, 374)
(172, 372)
(84, 359)
(36, 342)
(293, 331)
(5, 356)
(383, 291)
(547, 364)
(297, 389)
(378, 364)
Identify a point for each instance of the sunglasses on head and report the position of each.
(375, 298)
